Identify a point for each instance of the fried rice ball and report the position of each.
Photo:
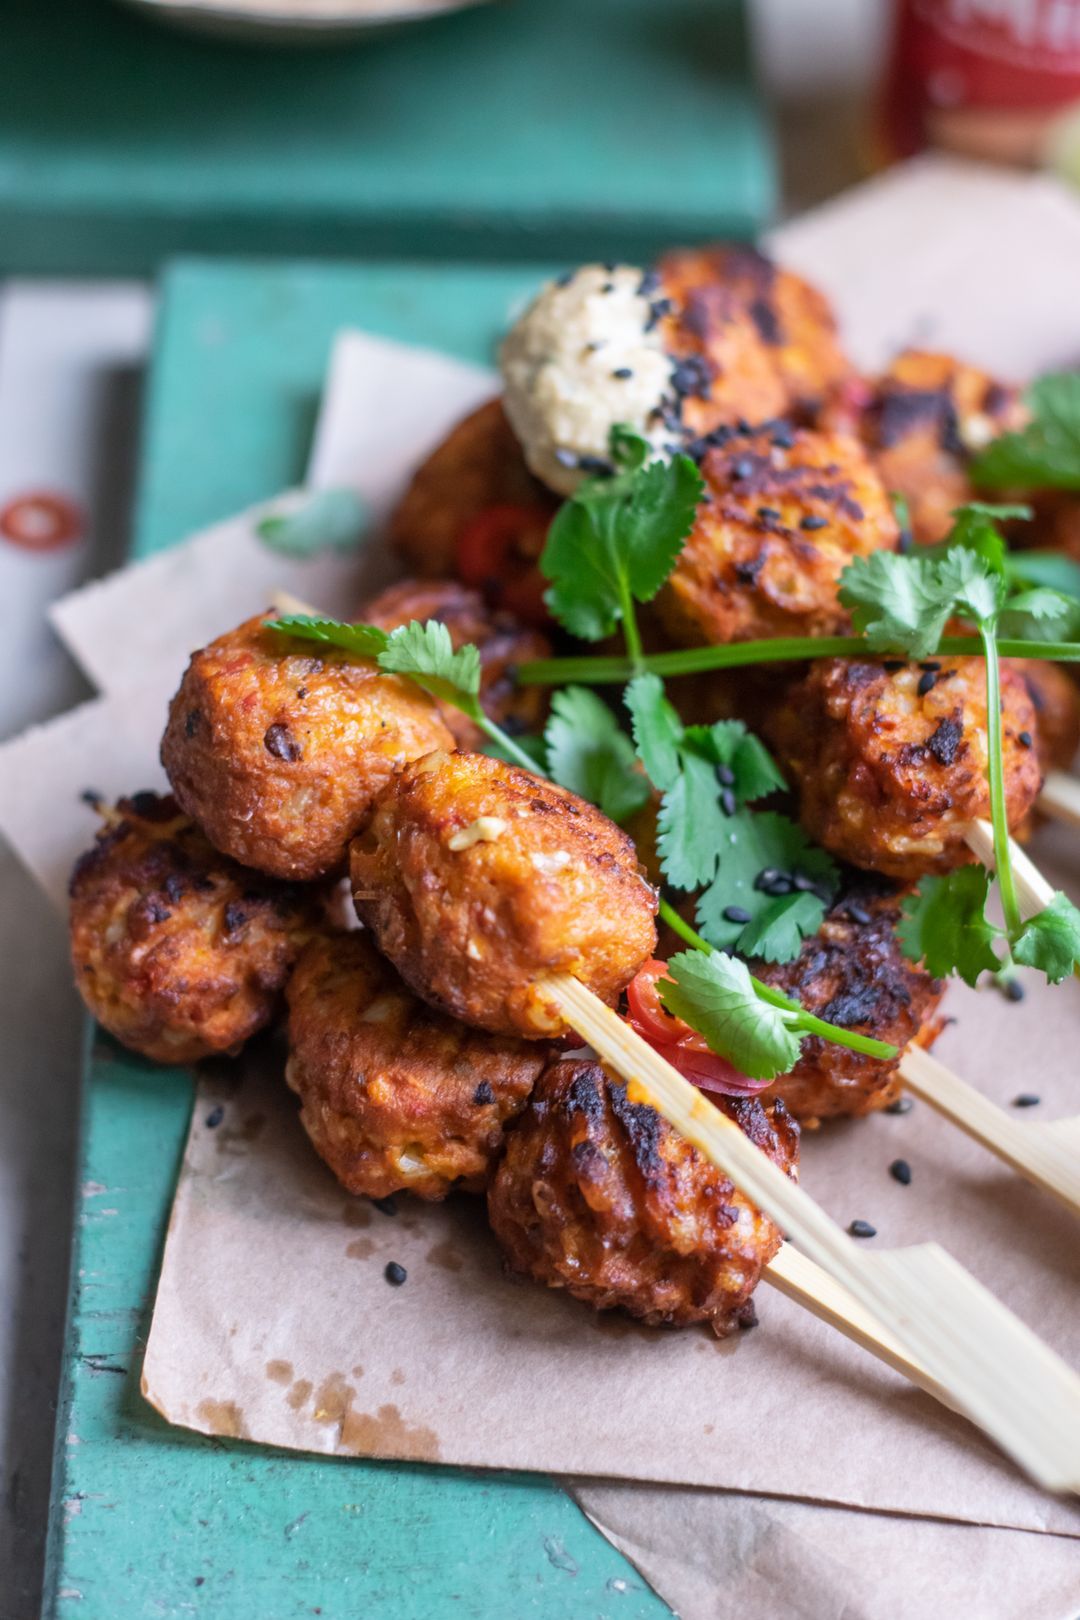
(777, 526)
(768, 339)
(922, 422)
(394, 1096)
(478, 468)
(178, 951)
(852, 972)
(598, 1195)
(503, 643)
(478, 878)
(277, 747)
(1057, 709)
(889, 760)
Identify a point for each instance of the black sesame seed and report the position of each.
(902, 1105)
(279, 741)
(862, 1229)
(768, 874)
(610, 266)
(778, 886)
(483, 1094)
(728, 802)
(784, 439)
(900, 1171)
(565, 458)
(742, 468)
(235, 917)
(768, 512)
(648, 283)
(810, 522)
(1024, 738)
(930, 664)
(858, 914)
(623, 372)
(214, 1118)
(891, 665)
(395, 1274)
(595, 466)
(927, 683)
(803, 884)
(735, 914)
(608, 287)
(1026, 1099)
(725, 776)
(906, 544)
(385, 1206)
(301, 692)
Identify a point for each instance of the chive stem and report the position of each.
(601, 670)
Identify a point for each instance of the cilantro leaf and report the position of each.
(365, 640)
(896, 602)
(616, 539)
(1040, 615)
(728, 744)
(425, 652)
(754, 842)
(691, 825)
(777, 932)
(1050, 568)
(1050, 941)
(588, 753)
(658, 730)
(715, 995)
(1046, 453)
(944, 925)
(331, 520)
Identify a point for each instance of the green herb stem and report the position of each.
(802, 1020)
(630, 627)
(601, 670)
(496, 734)
(999, 815)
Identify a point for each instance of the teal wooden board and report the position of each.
(521, 129)
(153, 1521)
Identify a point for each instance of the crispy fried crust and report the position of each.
(477, 878)
(600, 1196)
(396, 1097)
(922, 422)
(277, 749)
(178, 951)
(769, 338)
(477, 466)
(1057, 711)
(888, 777)
(852, 972)
(775, 531)
(502, 640)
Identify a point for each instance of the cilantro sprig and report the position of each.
(1046, 453)
(615, 541)
(709, 838)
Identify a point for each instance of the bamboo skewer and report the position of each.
(1060, 797)
(987, 1363)
(1032, 888)
(1047, 1153)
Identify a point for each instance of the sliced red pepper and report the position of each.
(682, 1046)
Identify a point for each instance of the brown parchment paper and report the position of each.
(273, 1321)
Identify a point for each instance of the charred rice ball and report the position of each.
(178, 951)
(479, 467)
(768, 339)
(598, 1195)
(776, 528)
(922, 422)
(277, 748)
(1057, 709)
(889, 762)
(852, 972)
(478, 878)
(503, 643)
(394, 1096)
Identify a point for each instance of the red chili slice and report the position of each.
(682, 1046)
(497, 552)
(40, 521)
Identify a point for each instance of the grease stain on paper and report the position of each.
(280, 1371)
(384, 1433)
(356, 1214)
(235, 1140)
(224, 1418)
(359, 1248)
(299, 1394)
(447, 1255)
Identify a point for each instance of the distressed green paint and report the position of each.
(152, 1521)
(517, 130)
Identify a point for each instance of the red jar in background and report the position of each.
(987, 78)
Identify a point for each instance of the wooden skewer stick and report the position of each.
(1047, 1153)
(1032, 888)
(1060, 797)
(988, 1364)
